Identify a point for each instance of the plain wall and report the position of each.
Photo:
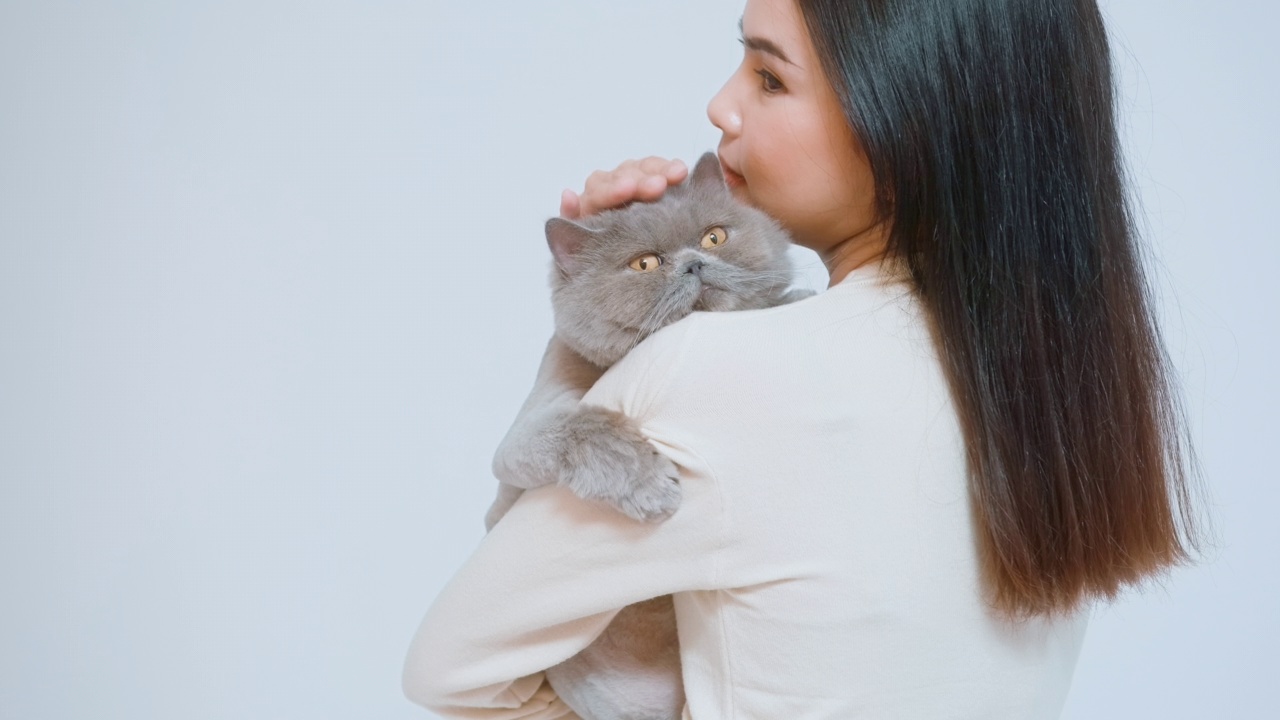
(272, 287)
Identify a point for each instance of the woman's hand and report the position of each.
(643, 180)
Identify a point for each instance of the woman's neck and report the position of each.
(854, 252)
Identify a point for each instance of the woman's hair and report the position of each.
(990, 130)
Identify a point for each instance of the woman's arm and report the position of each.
(548, 579)
(542, 585)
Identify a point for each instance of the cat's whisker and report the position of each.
(660, 315)
(653, 320)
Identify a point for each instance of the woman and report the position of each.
(900, 496)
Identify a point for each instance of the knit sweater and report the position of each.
(823, 559)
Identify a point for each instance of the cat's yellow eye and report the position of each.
(645, 263)
(714, 237)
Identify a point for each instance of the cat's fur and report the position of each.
(602, 309)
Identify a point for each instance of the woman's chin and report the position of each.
(735, 182)
(742, 194)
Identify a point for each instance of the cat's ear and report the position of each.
(566, 239)
(708, 172)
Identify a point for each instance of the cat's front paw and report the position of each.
(608, 460)
(655, 495)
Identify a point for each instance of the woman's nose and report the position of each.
(723, 112)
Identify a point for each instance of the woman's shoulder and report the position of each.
(867, 315)
(869, 302)
(632, 385)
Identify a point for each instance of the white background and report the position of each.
(272, 286)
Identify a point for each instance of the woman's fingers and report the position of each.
(633, 180)
(570, 205)
(676, 171)
(654, 165)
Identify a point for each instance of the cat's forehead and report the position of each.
(673, 220)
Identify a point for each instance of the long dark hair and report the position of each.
(990, 129)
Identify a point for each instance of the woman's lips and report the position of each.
(731, 178)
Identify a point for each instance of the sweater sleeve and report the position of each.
(548, 578)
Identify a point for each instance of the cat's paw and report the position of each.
(608, 460)
(655, 495)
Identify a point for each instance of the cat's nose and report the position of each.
(694, 267)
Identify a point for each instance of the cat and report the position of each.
(618, 277)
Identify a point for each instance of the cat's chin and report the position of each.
(713, 299)
(709, 300)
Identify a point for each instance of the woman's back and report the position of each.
(848, 550)
(823, 560)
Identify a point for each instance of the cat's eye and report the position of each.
(645, 263)
(714, 237)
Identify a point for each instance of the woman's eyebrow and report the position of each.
(764, 45)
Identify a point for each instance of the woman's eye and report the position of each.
(645, 263)
(769, 82)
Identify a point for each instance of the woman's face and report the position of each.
(786, 147)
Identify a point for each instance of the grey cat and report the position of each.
(618, 277)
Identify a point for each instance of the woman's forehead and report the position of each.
(775, 28)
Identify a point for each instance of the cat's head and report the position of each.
(622, 274)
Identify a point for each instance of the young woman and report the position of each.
(901, 496)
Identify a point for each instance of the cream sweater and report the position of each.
(822, 560)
